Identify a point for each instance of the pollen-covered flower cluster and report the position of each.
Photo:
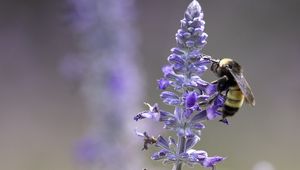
(183, 88)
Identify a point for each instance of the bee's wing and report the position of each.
(244, 86)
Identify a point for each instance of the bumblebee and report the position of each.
(233, 83)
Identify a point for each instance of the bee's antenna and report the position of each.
(208, 57)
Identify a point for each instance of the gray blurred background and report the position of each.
(42, 114)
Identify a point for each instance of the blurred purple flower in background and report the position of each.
(109, 80)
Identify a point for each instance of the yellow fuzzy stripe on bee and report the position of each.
(224, 62)
(234, 88)
(234, 103)
(235, 95)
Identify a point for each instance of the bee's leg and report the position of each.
(222, 83)
(224, 120)
(209, 100)
(221, 86)
(220, 80)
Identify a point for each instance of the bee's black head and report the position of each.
(227, 63)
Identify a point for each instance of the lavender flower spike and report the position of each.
(183, 88)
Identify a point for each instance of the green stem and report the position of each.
(180, 149)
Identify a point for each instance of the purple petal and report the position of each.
(191, 29)
(171, 157)
(202, 98)
(188, 113)
(184, 155)
(139, 116)
(212, 161)
(167, 70)
(211, 89)
(170, 98)
(178, 79)
(179, 40)
(180, 33)
(165, 115)
(196, 22)
(162, 142)
(199, 116)
(192, 82)
(176, 59)
(163, 83)
(193, 10)
(198, 126)
(191, 142)
(190, 43)
(151, 115)
(195, 54)
(183, 24)
(187, 35)
(220, 100)
(179, 68)
(198, 67)
(201, 84)
(211, 113)
(168, 94)
(170, 122)
(203, 37)
(199, 155)
(200, 70)
(177, 51)
(202, 62)
(198, 31)
(191, 99)
(155, 156)
(189, 133)
(160, 155)
(172, 102)
(178, 113)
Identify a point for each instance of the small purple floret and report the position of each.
(163, 83)
(191, 99)
(210, 162)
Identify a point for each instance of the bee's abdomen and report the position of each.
(229, 111)
(234, 101)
